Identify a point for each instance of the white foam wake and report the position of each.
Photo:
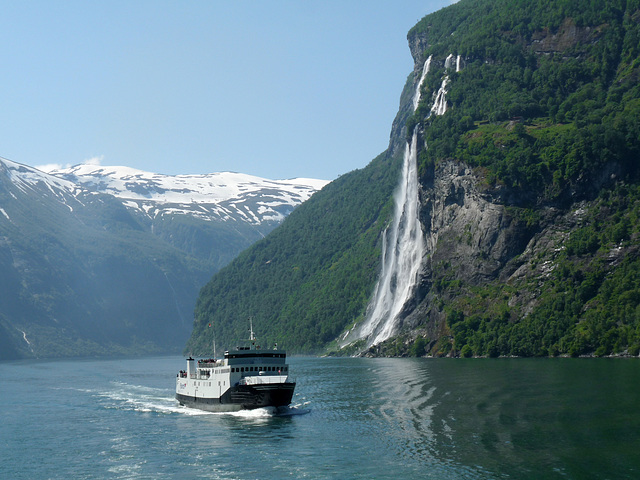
(125, 396)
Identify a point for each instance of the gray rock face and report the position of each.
(464, 227)
(468, 237)
(472, 233)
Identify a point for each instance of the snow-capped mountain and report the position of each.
(223, 196)
(102, 260)
(26, 179)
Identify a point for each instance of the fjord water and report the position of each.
(353, 418)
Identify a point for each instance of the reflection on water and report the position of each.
(488, 418)
(520, 418)
(351, 418)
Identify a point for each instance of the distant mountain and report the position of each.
(109, 260)
(214, 197)
(212, 216)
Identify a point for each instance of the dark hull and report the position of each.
(243, 397)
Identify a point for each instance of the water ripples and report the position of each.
(350, 418)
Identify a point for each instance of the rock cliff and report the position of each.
(528, 202)
(499, 253)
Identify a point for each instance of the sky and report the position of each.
(277, 89)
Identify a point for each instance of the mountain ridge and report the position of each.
(146, 191)
(85, 273)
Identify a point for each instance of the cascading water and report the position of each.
(402, 254)
(402, 241)
(440, 104)
(418, 92)
(402, 246)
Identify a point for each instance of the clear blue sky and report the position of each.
(278, 89)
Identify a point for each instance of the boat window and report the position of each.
(242, 369)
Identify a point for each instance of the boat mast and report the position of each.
(213, 335)
(252, 337)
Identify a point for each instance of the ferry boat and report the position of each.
(246, 378)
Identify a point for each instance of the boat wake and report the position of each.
(139, 398)
(265, 412)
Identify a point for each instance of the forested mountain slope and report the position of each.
(529, 198)
(310, 274)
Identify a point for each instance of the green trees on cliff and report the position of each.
(552, 92)
(546, 110)
(551, 89)
(585, 306)
(312, 276)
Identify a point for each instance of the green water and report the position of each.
(547, 418)
(350, 419)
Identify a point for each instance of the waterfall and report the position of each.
(402, 254)
(448, 63)
(417, 94)
(440, 103)
(402, 246)
(402, 241)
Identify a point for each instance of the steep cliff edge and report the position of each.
(527, 129)
(529, 187)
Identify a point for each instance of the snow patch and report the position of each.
(220, 196)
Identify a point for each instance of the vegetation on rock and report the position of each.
(545, 113)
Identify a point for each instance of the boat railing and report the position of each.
(203, 364)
